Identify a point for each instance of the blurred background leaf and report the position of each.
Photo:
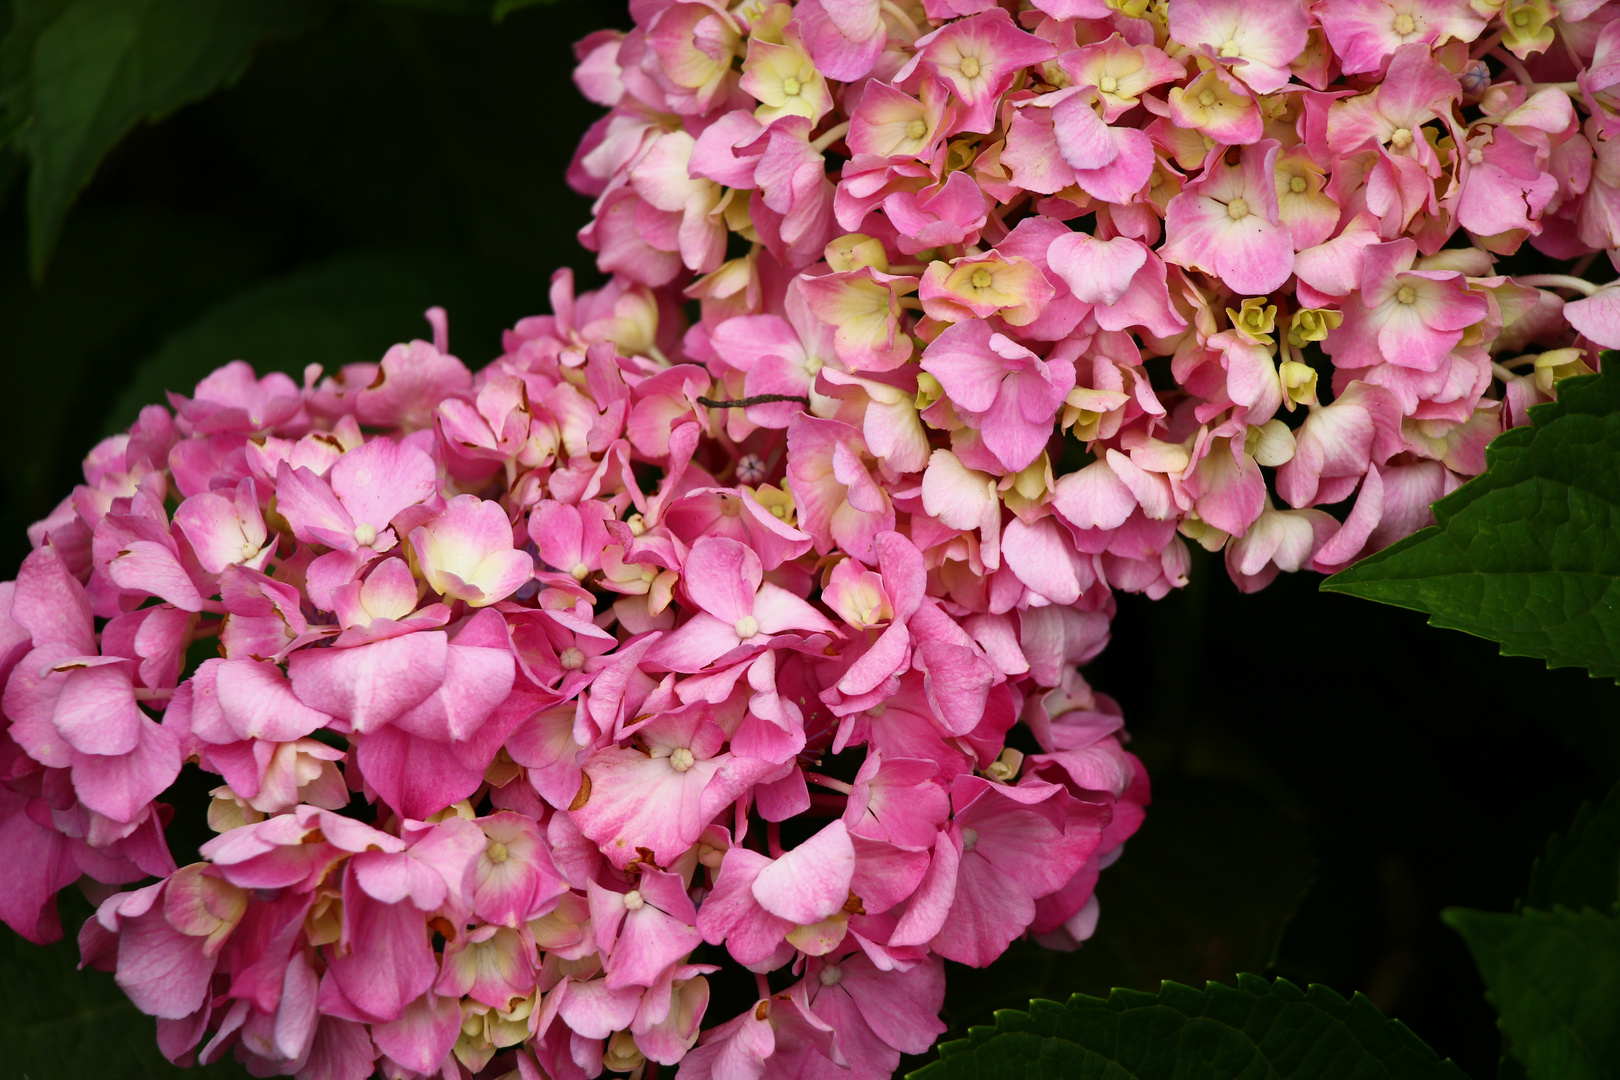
(331, 313)
(88, 70)
(60, 1023)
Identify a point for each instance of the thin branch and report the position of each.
(757, 399)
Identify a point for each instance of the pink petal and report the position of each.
(811, 882)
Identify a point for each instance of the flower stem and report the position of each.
(830, 136)
(1557, 281)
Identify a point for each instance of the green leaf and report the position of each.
(1555, 978)
(503, 8)
(1581, 868)
(120, 280)
(1525, 554)
(347, 309)
(59, 1023)
(1204, 892)
(1258, 1029)
(81, 74)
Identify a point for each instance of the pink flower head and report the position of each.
(738, 611)
(1226, 224)
(226, 531)
(1410, 318)
(659, 793)
(976, 288)
(1263, 40)
(978, 58)
(234, 400)
(1011, 394)
(351, 509)
(467, 554)
(1365, 33)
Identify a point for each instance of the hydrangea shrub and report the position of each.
(704, 626)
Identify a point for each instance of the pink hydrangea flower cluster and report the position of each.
(525, 687)
(957, 226)
(699, 622)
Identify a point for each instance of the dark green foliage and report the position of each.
(1257, 1030)
(81, 73)
(1555, 978)
(1526, 554)
(1581, 868)
(60, 1023)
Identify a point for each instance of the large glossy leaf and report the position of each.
(59, 1023)
(1257, 1029)
(1555, 978)
(1525, 554)
(81, 73)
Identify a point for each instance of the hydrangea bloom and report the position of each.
(929, 326)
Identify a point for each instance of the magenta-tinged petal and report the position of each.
(696, 643)
(735, 1050)
(164, 972)
(423, 1035)
(810, 882)
(732, 915)
(379, 479)
(476, 680)
(1597, 317)
(121, 786)
(466, 553)
(657, 931)
(41, 866)
(373, 684)
(389, 962)
(258, 702)
(415, 776)
(931, 903)
(1097, 271)
(51, 604)
(777, 610)
(312, 509)
(596, 1010)
(722, 576)
(902, 1007)
(96, 711)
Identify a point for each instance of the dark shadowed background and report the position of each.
(1328, 773)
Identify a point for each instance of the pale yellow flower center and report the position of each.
(1237, 209)
(970, 67)
(1406, 294)
(681, 759)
